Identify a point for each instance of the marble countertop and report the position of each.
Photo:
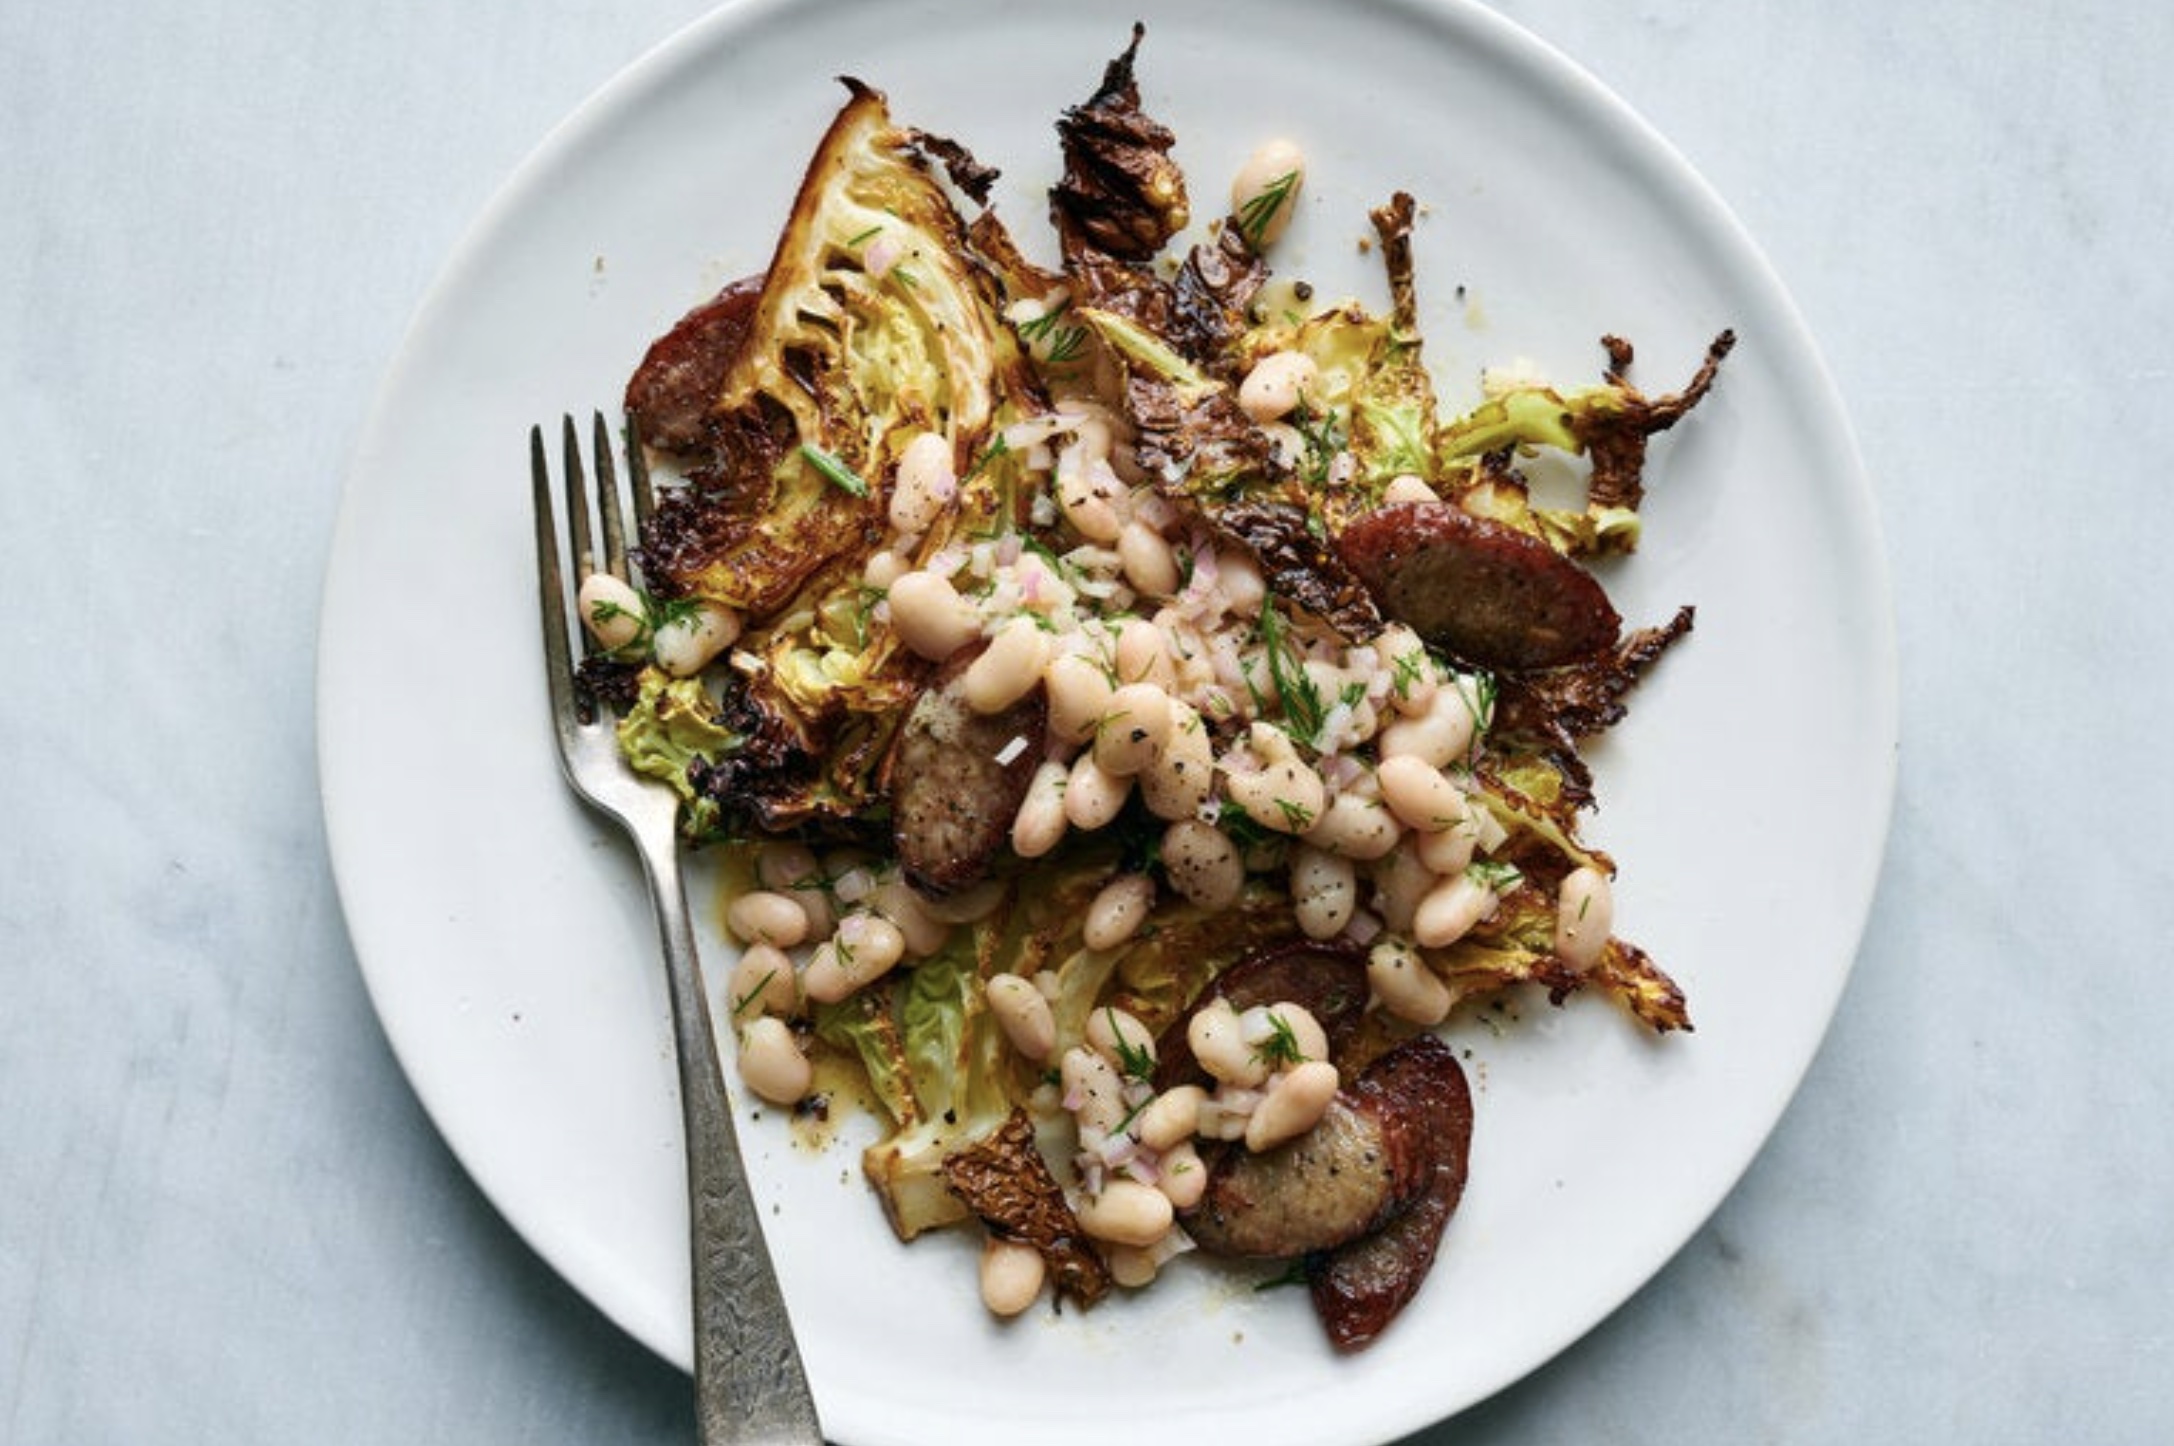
(227, 1218)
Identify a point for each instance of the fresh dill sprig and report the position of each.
(834, 471)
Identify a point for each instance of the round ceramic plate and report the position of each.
(504, 931)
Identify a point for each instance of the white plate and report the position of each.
(504, 932)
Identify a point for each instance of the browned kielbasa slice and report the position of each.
(673, 389)
(1326, 980)
(958, 779)
(1359, 1287)
(1347, 1176)
(1478, 589)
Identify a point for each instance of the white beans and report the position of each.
(1008, 669)
(1202, 864)
(1092, 1090)
(1141, 655)
(691, 641)
(612, 611)
(761, 916)
(1294, 1104)
(1584, 917)
(1437, 737)
(1040, 823)
(1091, 496)
(1137, 723)
(1023, 1013)
(1264, 193)
(865, 948)
(1148, 563)
(930, 617)
(761, 982)
(1411, 671)
(1093, 797)
(884, 568)
(1277, 384)
(1420, 796)
(1283, 1028)
(1324, 891)
(1181, 1175)
(896, 900)
(1180, 777)
(771, 1062)
(927, 482)
(1355, 827)
(1119, 1038)
(1079, 696)
(1406, 487)
(1169, 1119)
(1244, 589)
(1450, 909)
(1127, 1212)
(1450, 850)
(1284, 795)
(1011, 1276)
(1118, 911)
(1401, 880)
(1404, 984)
(1220, 1049)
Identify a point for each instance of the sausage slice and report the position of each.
(1478, 589)
(958, 779)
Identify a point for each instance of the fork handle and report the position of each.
(750, 1386)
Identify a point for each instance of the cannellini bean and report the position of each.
(1092, 1090)
(865, 948)
(1023, 1013)
(1411, 671)
(1401, 880)
(1420, 795)
(792, 869)
(1220, 1049)
(1148, 563)
(1180, 776)
(612, 611)
(1011, 1276)
(1169, 1119)
(1285, 795)
(1406, 487)
(1132, 1267)
(1127, 1212)
(761, 916)
(884, 568)
(1093, 797)
(1141, 655)
(1243, 587)
(1202, 864)
(1039, 825)
(927, 482)
(930, 617)
(1181, 1175)
(1355, 827)
(968, 906)
(1119, 1038)
(1293, 1105)
(1584, 917)
(1136, 724)
(1293, 1024)
(1079, 691)
(1437, 737)
(690, 641)
(1092, 497)
(1223, 1115)
(771, 1062)
(1450, 909)
(1118, 911)
(1324, 891)
(1276, 385)
(761, 982)
(1264, 193)
(923, 932)
(1450, 850)
(1008, 669)
(1404, 984)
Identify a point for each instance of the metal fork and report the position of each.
(750, 1387)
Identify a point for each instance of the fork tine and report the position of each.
(607, 500)
(645, 497)
(577, 502)
(558, 654)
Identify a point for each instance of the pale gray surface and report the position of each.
(225, 1217)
